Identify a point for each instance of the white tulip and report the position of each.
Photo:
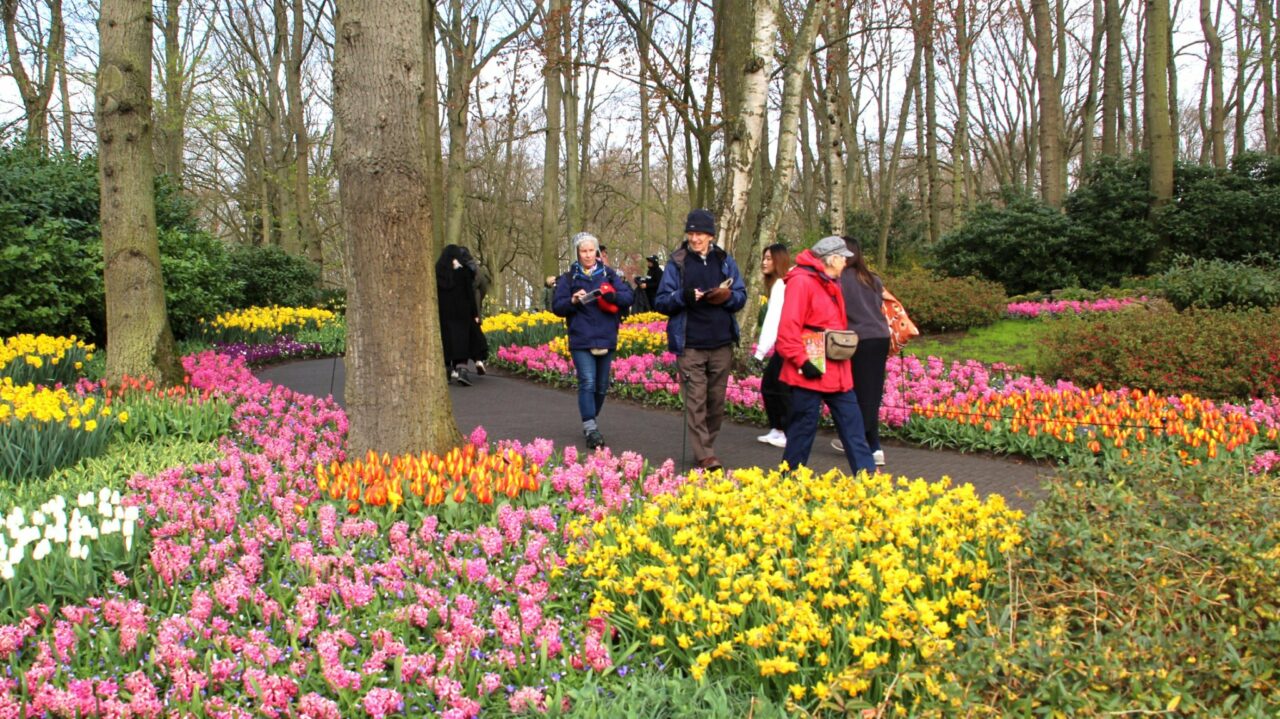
(6, 571)
(30, 535)
(60, 502)
(131, 514)
(16, 554)
(84, 500)
(57, 533)
(111, 526)
(76, 550)
(115, 496)
(104, 509)
(104, 495)
(42, 550)
(37, 518)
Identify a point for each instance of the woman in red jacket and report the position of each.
(814, 303)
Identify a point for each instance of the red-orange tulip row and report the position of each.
(381, 480)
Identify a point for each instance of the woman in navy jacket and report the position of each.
(589, 296)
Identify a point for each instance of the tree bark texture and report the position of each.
(397, 391)
(743, 138)
(1053, 177)
(1156, 102)
(1112, 84)
(139, 341)
(1217, 136)
(549, 253)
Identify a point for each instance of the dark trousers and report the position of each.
(806, 408)
(868, 382)
(776, 394)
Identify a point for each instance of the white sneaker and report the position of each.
(837, 445)
(878, 456)
(780, 441)
(771, 437)
(480, 368)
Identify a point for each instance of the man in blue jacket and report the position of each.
(700, 292)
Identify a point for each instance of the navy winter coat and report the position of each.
(590, 326)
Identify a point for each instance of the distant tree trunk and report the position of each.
(571, 55)
(65, 92)
(434, 149)
(457, 108)
(887, 194)
(1242, 114)
(35, 91)
(308, 231)
(1053, 185)
(1089, 112)
(139, 341)
(933, 206)
(960, 146)
(1175, 118)
(1112, 84)
(1217, 137)
(395, 406)
(836, 29)
(172, 117)
(1156, 102)
(1266, 59)
(549, 255)
(646, 122)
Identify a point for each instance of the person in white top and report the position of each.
(774, 265)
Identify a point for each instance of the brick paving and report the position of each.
(512, 407)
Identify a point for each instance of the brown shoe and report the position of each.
(710, 464)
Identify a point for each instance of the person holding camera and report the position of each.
(701, 292)
(590, 296)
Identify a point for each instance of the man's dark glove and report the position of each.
(718, 296)
(810, 370)
(689, 296)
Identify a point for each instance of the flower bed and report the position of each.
(1054, 308)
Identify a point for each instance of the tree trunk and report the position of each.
(308, 231)
(1089, 113)
(1112, 84)
(457, 106)
(35, 92)
(646, 122)
(573, 211)
(835, 32)
(434, 151)
(887, 194)
(1156, 102)
(65, 92)
(395, 406)
(549, 256)
(1217, 137)
(172, 117)
(1053, 186)
(960, 152)
(139, 341)
(933, 208)
(742, 140)
(1242, 115)
(1267, 61)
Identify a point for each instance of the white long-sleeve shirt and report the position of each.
(769, 331)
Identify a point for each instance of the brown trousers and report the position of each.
(704, 377)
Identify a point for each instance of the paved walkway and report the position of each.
(512, 407)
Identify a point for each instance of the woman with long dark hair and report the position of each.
(863, 302)
(460, 331)
(774, 264)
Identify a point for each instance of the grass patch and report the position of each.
(1013, 342)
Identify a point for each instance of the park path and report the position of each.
(515, 408)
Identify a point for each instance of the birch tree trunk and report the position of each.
(395, 406)
(139, 341)
(836, 30)
(743, 138)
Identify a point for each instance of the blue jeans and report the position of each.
(593, 380)
(802, 427)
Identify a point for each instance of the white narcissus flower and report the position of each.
(42, 550)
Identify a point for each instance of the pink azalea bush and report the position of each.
(263, 600)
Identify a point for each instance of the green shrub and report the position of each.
(1214, 283)
(1152, 594)
(270, 276)
(197, 279)
(1228, 214)
(1216, 354)
(50, 275)
(1023, 245)
(948, 304)
(906, 241)
(1110, 235)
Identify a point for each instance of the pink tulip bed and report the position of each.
(1055, 308)
(258, 597)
